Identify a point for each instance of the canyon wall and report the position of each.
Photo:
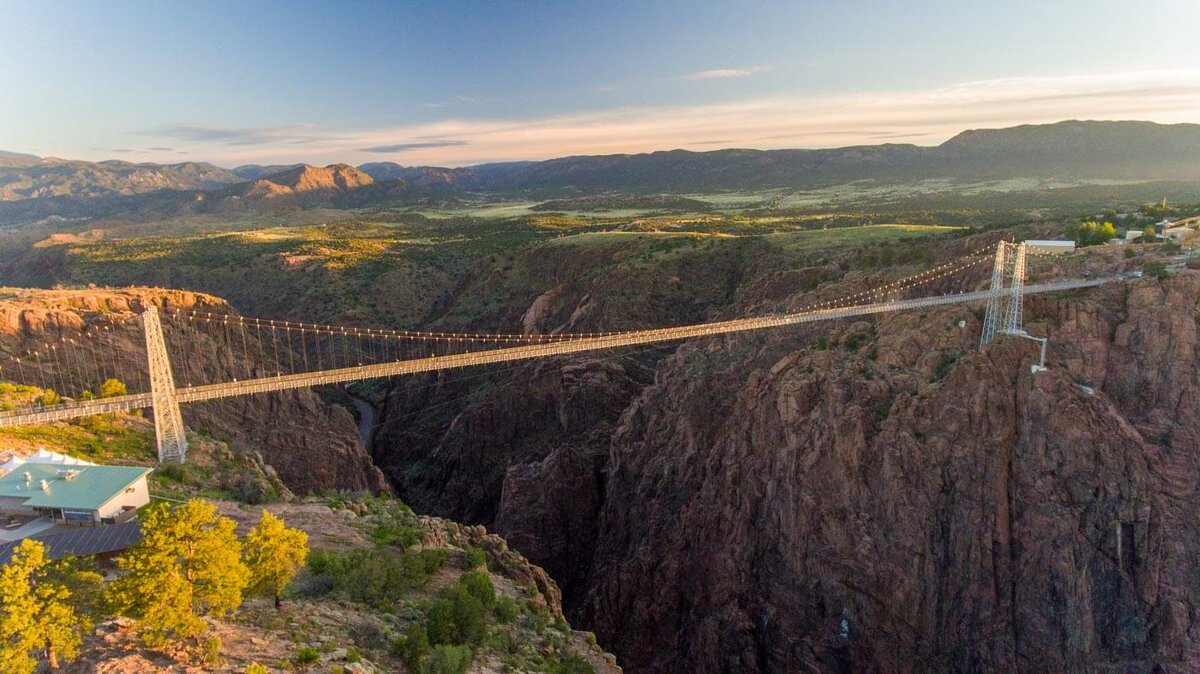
(872, 495)
(313, 445)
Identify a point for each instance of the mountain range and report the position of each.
(1068, 150)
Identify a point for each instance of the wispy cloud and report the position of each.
(408, 147)
(925, 116)
(294, 133)
(724, 73)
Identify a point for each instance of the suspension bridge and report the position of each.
(262, 356)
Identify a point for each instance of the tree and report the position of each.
(187, 564)
(274, 553)
(1155, 269)
(111, 388)
(1149, 234)
(1092, 233)
(35, 612)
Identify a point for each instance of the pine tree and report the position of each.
(187, 564)
(18, 606)
(274, 553)
(35, 612)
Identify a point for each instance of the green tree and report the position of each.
(1092, 233)
(1149, 234)
(413, 647)
(449, 660)
(187, 564)
(479, 585)
(1155, 269)
(35, 613)
(274, 553)
(111, 388)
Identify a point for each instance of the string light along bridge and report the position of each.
(261, 356)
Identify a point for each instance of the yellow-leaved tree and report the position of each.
(35, 613)
(187, 564)
(274, 553)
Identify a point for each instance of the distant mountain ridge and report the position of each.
(30, 177)
(1068, 150)
(300, 179)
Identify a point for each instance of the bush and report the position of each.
(212, 651)
(570, 664)
(476, 557)
(353, 655)
(449, 660)
(377, 577)
(1129, 253)
(456, 618)
(397, 535)
(255, 668)
(479, 585)
(1092, 233)
(1155, 269)
(506, 610)
(306, 656)
(412, 647)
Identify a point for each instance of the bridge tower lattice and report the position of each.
(168, 422)
(1004, 310)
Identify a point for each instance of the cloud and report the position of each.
(160, 149)
(925, 116)
(406, 147)
(235, 136)
(725, 73)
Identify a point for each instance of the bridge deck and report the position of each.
(486, 357)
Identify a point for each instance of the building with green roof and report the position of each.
(75, 494)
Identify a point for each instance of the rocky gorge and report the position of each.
(872, 496)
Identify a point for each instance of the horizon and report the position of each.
(629, 154)
(459, 84)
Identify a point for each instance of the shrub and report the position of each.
(476, 557)
(1129, 252)
(1092, 233)
(506, 610)
(397, 535)
(255, 668)
(449, 660)
(943, 366)
(569, 664)
(412, 647)
(353, 655)
(1155, 269)
(456, 618)
(479, 585)
(378, 577)
(212, 651)
(368, 634)
(306, 656)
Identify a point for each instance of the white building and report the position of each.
(10, 462)
(1049, 246)
(80, 494)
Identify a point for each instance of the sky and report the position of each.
(457, 83)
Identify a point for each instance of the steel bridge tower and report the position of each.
(168, 422)
(1004, 313)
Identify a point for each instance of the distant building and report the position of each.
(1177, 233)
(75, 494)
(1049, 246)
